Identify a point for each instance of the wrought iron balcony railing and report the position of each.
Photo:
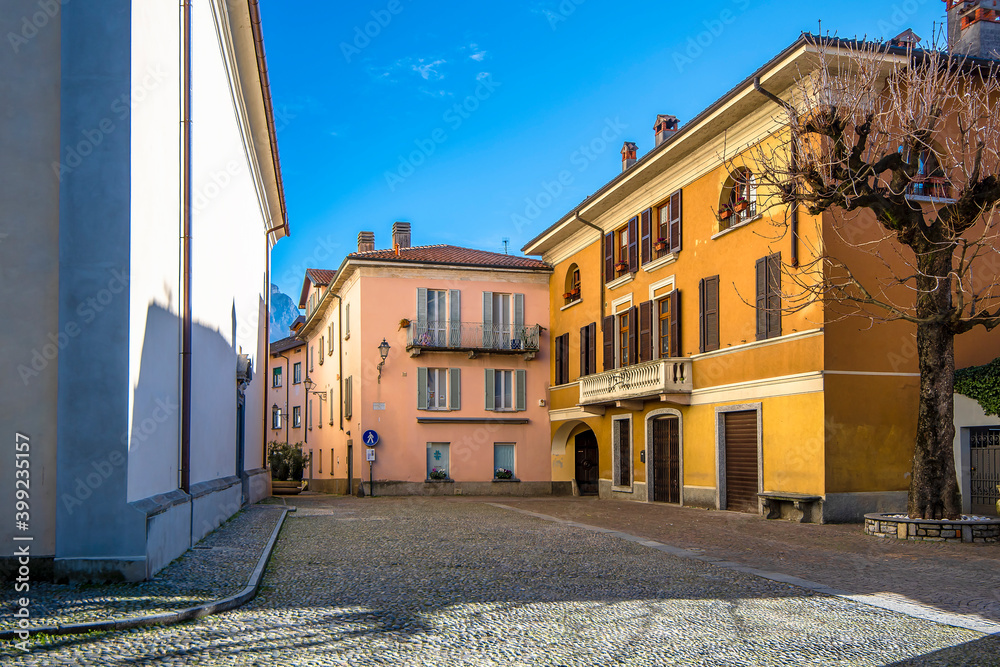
(472, 337)
(645, 380)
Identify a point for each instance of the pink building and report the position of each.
(459, 403)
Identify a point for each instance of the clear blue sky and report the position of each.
(369, 131)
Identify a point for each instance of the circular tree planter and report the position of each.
(283, 488)
(901, 527)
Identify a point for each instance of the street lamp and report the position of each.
(383, 350)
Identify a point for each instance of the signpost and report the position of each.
(370, 438)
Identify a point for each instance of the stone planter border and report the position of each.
(928, 530)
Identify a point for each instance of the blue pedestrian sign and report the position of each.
(370, 438)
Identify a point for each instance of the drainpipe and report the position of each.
(794, 213)
(187, 211)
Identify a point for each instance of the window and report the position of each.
(768, 284)
(668, 226)
(347, 321)
(503, 460)
(349, 397)
(572, 292)
(297, 417)
(622, 452)
(322, 346)
(663, 327)
(329, 339)
(506, 390)
(561, 353)
(276, 377)
(588, 349)
(320, 451)
(331, 413)
(503, 322)
(438, 461)
(708, 296)
(621, 250)
(276, 418)
(930, 179)
(297, 373)
(309, 358)
(310, 411)
(319, 408)
(624, 338)
(741, 202)
(439, 388)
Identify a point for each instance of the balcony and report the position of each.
(472, 337)
(666, 379)
(929, 188)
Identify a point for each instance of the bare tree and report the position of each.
(902, 148)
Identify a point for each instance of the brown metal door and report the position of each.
(741, 461)
(984, 454)
(586, 463)
(666, 460)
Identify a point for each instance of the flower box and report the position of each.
(567, 295)
(660, 245)
(621, 266)
(725, 213)
(438, 474)
(741, 206)
(503, 473)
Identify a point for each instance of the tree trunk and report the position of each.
(934, 490)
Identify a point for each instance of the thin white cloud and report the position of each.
(429, 71)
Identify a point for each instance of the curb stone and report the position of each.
(888, 602)
(169, 618)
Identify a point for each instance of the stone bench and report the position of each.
(802, 502)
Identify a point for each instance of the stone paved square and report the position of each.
(418, 581)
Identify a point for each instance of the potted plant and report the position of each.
(503, 473)
(621, 267)
(287, 463)
(741, 205)
(661, 244)
(575, 291)
(404, 323)
(724, 213)
(567, 295)
(438, 474)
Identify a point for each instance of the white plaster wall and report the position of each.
(967, 413)
(154, 343)
(229, 257)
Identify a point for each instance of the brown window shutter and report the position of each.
(645, 331)
(774, 296)
(701, 315)
(645, 238)
(633, 244)
(559, 361)
(585, 368)
(675, 323)
(608, 326)
(592, 348)
(711, 316)
(676, 203)
(633, 335)
(609, 257)
(761, 300)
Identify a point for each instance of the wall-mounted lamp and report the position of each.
(383, 350)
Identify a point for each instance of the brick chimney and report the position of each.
(628, 155)
(400, 236)
(974, 28)
(665, 127)
(366, 241)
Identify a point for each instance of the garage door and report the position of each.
(741, 461)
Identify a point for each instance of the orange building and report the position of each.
(676, 375)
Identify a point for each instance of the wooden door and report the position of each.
(587, 468)
(666, 460)
(741, 461)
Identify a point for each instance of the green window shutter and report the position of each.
(421, 389)
(421, 308)
(518, 313)
(488, 319)
(490, 389)
(521, 388)
(454, 318)
(455, 388)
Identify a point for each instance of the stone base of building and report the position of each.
(565, 488)
(258, 485)
(926, 530)
(337, 487)
(852, 507)
(699, 496)
(453, 488)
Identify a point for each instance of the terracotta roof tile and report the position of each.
(449, 254)
(321, 276)
(285, 344)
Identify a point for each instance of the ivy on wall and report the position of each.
(981, 384)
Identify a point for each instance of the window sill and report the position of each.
(621, 489)
(737, 226)
(932, 200)
(618, 282)
(512, 479)
(571, 304)
(439, 481)
(660, 262)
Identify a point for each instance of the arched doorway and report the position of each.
(587, 463)
(665, 468)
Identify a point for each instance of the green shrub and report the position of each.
(981, 384)
(286, 461)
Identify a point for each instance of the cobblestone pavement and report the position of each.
(421, 581)
(957, 578)
(218, 566)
